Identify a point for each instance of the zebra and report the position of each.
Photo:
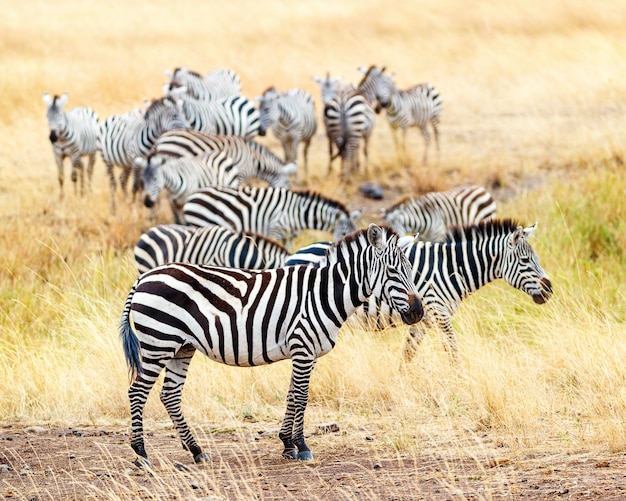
(180, 177)
(432, 213)
(348, 118)
(275, 212)
(253, 159)
(230, 116)
(291, 117)
(447, 272)
(74, 133)
(208, 245)
(126, 137)
(247, 318)
(218, 84)
(416, 106)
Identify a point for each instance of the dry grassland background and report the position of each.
(534, 109)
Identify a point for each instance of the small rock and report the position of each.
(372, 190)
(5, 468)
(328, 428)
(369, 438)
(377, 466)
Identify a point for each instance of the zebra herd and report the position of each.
(225, 278)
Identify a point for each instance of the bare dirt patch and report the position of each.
(96, 463)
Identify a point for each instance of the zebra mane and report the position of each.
(367, 74)
(398, 203)
(190, 72)
(155, 105)
(315, 195)
(258, 236)
(492, 227)
(356, 235)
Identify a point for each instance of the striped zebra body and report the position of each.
(416, 106)
(74, 133)
(275, 212)
(433, 213)
(349, 119)
(124, 138)
(253, 159)
(180, 177)
(208, 245)
(291, 117)
(218, 84)
(247, 318)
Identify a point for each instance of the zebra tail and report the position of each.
(129, 338)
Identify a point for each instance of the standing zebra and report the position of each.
(416, 106)
(180, 177)
(447, 272)
(126, 137)
(431, 214)
(291, 117)
(230, 116)
(247, 318)
(253, 159)
(208, 245)
(275, 212)
(218, 84)
(74, 133)
(349, 119)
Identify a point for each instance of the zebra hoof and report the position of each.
(305, 456)
(203, 457)
(290, 454)
(142, 463)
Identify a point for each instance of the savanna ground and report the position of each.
(534, 108)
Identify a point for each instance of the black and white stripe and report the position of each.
(180, 177)
(247, 318)
(218, 84)
(124, 138)
(275, 212)
(291, 117)
(416, 106)
(74, 133)
(349, 119)
(208, 245)
(431, 214)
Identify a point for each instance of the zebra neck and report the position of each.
(471, 265)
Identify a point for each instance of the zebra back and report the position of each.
(218, 84)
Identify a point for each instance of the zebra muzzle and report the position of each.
(53, 137)
(148, 202)
(546, 292)
(415, 312)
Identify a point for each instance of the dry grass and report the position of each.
(533, 104)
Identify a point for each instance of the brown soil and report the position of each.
(76, 464)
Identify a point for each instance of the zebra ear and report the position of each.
(355, 214)
(375, 236)
(62, 100)
(517, 235)
(530, 230)
(47, 99)
(362, 70)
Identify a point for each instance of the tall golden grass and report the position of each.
(533, 103)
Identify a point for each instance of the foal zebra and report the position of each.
(127, 137)
(74, 133)
(275, 212)
(447, 272)
(208, 245)
(253, 159)
(431, 214)
(291, 117)
(416, 106)
(218, 84)
(247, 318)
(349, 119)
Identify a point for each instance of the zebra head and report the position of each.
(166, 113)
(345, 224)
(384, 89)
(370, 82)
(268, 109)
(56, 114)
(521, 268)
(328, 86)
(152, 180)
(388, 275)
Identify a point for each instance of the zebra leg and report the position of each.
(171, 397)
(138, 394)
(91, 162)
(306, 159)
(301, 375)
(435, 124)
(445, 324)
(78, 174)
(330, 155)
(426, 135)
(413, 340)
(113, 184)
(59, 160)
(286, 430)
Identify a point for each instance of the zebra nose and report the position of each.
(546, 291)
(261, 131)
(148, 202)
(53, 137)
(415, 312)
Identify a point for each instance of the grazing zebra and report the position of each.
(230, 116)
(253, 159)
(180, 177)
(208, 245)
(275, 212)
(447, 272)
(348, 118)
(124, 138)
(74, 133)
(247, 318)
(291, 117)
(431, 214)
(218, 84)
(414, 107)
